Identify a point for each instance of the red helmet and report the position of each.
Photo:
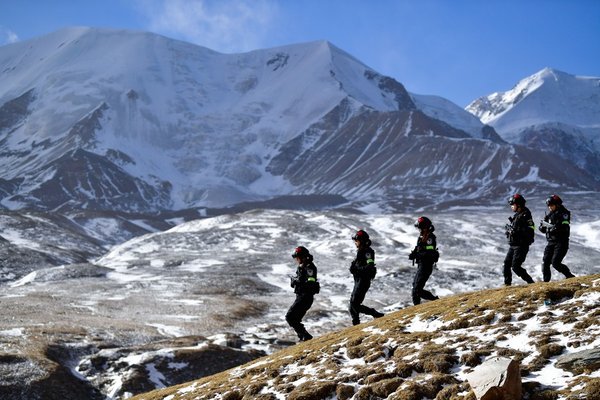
(423, 223)
(553, 200)
(517, 199)
(301, 252)
(361, 236)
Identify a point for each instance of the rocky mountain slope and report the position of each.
(550, 110)
(147, 124)
(425, 351)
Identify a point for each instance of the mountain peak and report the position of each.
(552, 73)
(165, 99)
(549, 95)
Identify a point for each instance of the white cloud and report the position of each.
(228, 26)
(7, 36)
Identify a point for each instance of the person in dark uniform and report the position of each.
(425, 254)
(363, 270)
(557, 227)
(305, 286)
(520, 234)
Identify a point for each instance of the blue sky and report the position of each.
(457, 49)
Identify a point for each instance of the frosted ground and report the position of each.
(416, 352)
(230, 274)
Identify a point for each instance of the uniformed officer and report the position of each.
(426, 255)
(520, 234)
(305, 286)
(363, 270)
(557, 227)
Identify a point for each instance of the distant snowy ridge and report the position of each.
(444, 110)
(551, 111)
(548, 95)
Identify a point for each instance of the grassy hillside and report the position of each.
(425, 352)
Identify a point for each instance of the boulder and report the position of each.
(498, 378)
(582, 361)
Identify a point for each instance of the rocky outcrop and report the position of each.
(14, 112)
(582, 361)
(90, 181)
(127, 370)
(498, 378)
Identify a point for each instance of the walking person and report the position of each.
(363, 270)
(305, 286)
(557, 227)
(426, 255)
(520, 234)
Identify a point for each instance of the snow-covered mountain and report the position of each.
(133, 121)
(550, 110)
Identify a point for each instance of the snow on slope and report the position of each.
(231, 273)
(444, 110)
(258, 243)
(428, 351)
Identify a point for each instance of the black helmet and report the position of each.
(300, 251)
(553, 200)
(361, 236)
(423, 223)
(517, 199)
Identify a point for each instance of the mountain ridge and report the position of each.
(552, 111)
(176, 126)
(492, 108)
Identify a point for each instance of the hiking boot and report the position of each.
(306, 337)
(377, 314)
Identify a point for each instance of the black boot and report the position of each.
(305, 337)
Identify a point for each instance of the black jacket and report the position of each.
(305, 281)
(426, 249)
(521, 230)
(363, 265)
(560, 219)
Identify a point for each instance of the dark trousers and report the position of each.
(553, 255)
(297, 311)
(361, 286)
(424, 271)
(514, 260)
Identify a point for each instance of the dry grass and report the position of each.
(359, 364)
